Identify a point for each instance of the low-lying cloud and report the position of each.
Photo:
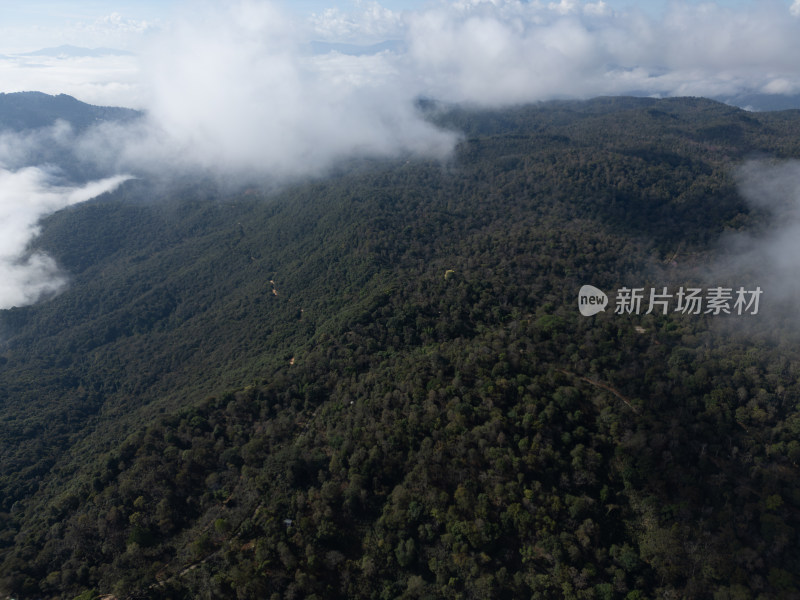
(236, 91)
(768, 255)
(26, 196)
(773, 189)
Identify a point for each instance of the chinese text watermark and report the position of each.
(685, 300)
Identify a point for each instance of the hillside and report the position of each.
(378, 384)
(21, 111)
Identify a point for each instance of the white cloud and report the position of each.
(368, 23)
(767, 257)
(26, 196)
(780, 85)
(505, 51)
(597, 8)
(116, 24)
(231, 89)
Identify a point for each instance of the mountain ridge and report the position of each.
(20, 111)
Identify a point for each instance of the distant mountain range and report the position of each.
(67, 51)
(762, 102)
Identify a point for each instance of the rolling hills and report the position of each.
(378, 384)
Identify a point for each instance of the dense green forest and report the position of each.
(377, 384)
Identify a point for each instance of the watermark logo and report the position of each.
(591, 300)
(692, 301)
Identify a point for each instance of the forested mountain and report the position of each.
(377, 384)
(22, 111)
